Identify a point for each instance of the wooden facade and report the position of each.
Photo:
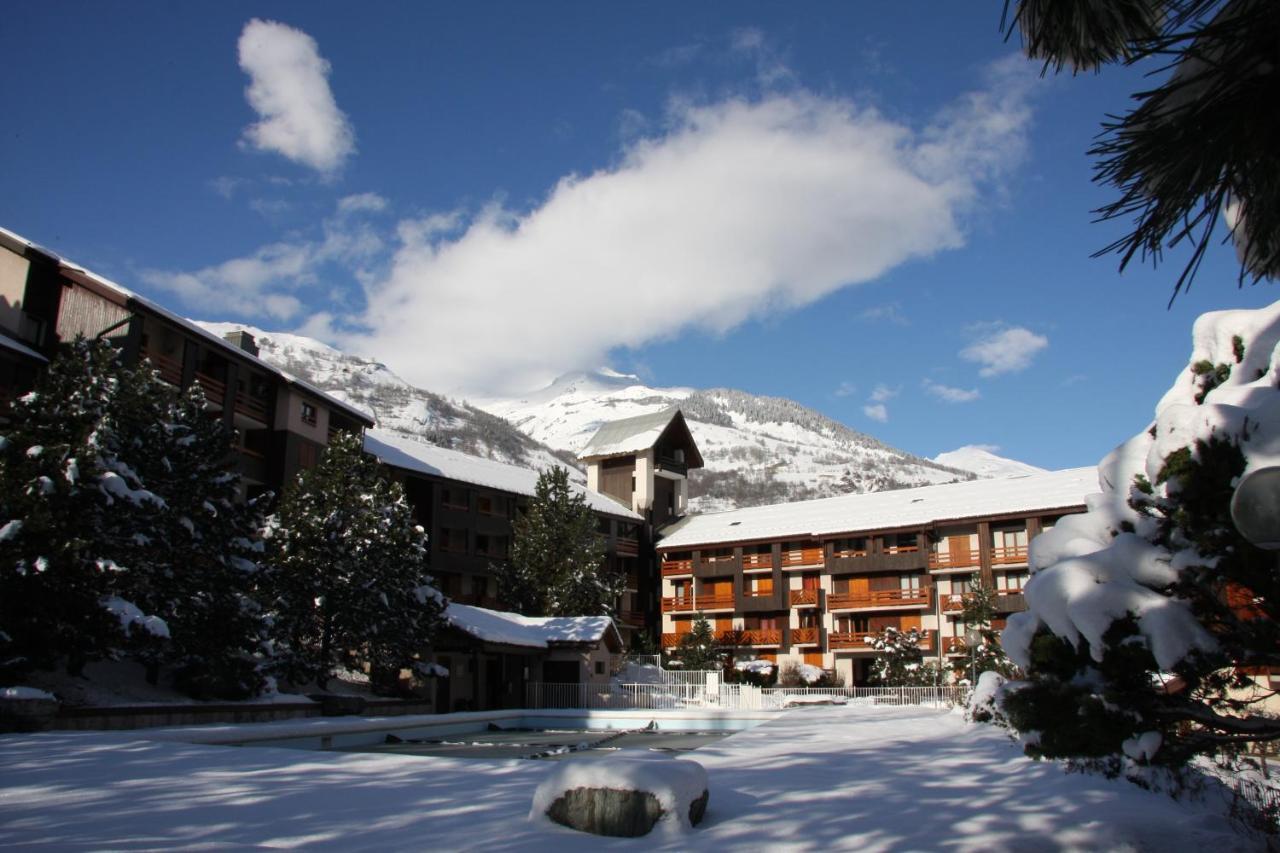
(818, 600)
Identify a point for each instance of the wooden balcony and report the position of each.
(756, 562)
(804, 636)
(670, 641)
(1011, 555)
(848, 554)
(802, 557)
(757, 593)
(677, 567)
(804, 598)
(215, 390)
(863, 640)
(170, 369)
(671, 604)
(901, 549)
(876, 599)
(251, 407)
(631, 617)
(755, 637)
(953, 603)
(954, 560)
(626, 547)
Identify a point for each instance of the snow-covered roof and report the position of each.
(77, 271)
(628, 435)
(10, 344)
(887, 510)
(402, 452)
(534, 632)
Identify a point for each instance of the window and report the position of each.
(454, 498)
(599, 667)
(487, 505)
(491, 546)
(910, 582)
(1012, 581)
(309, 414)
(453, 541)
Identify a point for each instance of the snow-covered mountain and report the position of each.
(399, 406)
(757, 450)
(984, 463)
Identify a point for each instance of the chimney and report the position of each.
(242, 339)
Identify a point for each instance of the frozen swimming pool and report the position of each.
(543, 743)
(510, 734)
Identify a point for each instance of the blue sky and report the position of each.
(878, 210)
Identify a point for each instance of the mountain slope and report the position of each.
(399, 406)
(984, 463)
(757, 449)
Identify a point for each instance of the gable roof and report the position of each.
(535, 632)
(639, 433)
(901, 508)
(122, 295)
(402, 452)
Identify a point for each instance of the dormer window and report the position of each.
(678, 455)
(309, 414)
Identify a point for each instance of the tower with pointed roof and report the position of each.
(644, 462)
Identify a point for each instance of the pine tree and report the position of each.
(75, 517)
(987, 655)
(557, 557)
(346, 574)
(1196, 147)
(698, 649)
(901, 663)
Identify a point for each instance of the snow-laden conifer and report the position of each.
(557, 565)
(347, 580)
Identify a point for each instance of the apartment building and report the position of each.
(811, 581)
(468, 506)
(281, 423)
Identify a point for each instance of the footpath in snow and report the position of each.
(867, 779)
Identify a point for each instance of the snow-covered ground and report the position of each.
(814, 779)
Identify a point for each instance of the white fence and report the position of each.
(731, 697)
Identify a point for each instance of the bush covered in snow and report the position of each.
(1147, 612)
(758, 671)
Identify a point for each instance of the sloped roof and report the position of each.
(916, 507)
(535, 632)
(21, 349)
(92, 279)
(402, 452)
(637, 434)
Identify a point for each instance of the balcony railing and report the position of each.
(670, 641)
(685, 604)
(954, 603)
(750, 637)
(677, 567)
(804, 636)
(757, 561)
(170, 369)
(804, 598)
(848, 553)
(712, 559)
(866, 639)
(252, 407)
(215, 390)
(901, 549)
(802, 557)
(1009, 555)
(877, 598)
(758, 593)
(953, 560)
(631, 617)
(626, 547)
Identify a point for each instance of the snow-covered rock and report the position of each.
(624, 796)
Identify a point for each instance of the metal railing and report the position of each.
(729, 697)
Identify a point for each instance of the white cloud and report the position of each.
(949, 394)
(1005, 350)
(882, 393)
(741, 208)
(266, 281)
(877, 412)
(845, 389)
(890, 313)
(289, 89)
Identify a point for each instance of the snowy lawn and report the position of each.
(812, 779)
